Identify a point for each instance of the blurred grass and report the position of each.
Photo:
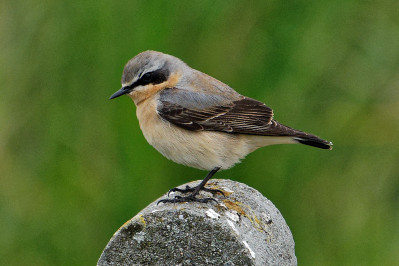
(74, 166)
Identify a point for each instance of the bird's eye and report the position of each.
(146, 77)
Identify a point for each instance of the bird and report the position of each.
(196, 120)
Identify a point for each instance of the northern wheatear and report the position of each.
(196, 120)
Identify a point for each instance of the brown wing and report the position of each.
(245, 116)
(198, 111)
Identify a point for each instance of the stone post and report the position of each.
(242, 228)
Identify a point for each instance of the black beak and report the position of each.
(120, 92)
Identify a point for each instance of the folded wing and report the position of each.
(198, 111)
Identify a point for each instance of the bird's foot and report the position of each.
(192, 189)
(191, 198)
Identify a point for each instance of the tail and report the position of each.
(315, 142)
(277, 129)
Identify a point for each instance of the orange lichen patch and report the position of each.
(252, 217)
(245, 211)
(257, 220)
(123, 225)
(135, 218)
(233, 206)
(226, 193)
(213, 184)
(142, 220)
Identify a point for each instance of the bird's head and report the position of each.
(148, 73)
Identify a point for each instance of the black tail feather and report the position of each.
(315, 142)
(277, 129)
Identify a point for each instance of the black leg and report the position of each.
(199, 187)
(206, 179)
(195, 190)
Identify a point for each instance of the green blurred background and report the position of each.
(74, 166)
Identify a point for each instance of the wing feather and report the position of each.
(242, 115)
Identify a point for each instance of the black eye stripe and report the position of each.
(154, 77)
(147, 77)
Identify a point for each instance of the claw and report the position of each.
(194, 191)
(188, 189)
(191, 189)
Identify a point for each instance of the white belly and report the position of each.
(199, 149)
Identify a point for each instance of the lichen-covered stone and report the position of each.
(243, 228)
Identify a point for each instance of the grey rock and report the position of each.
(243, 228)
